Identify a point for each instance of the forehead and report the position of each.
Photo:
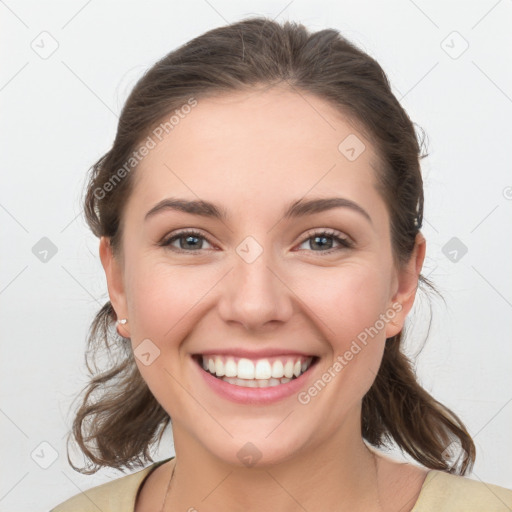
(257, 149)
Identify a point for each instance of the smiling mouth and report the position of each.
(255, 373)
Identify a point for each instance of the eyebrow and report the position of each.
(296, 209)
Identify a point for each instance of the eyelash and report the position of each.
(344, 242)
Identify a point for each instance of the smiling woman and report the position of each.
(261, 259)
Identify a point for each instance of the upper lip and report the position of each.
(253, 354)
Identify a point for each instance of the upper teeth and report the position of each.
(243, 368)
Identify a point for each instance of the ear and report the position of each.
(406, 286)
(115, 285)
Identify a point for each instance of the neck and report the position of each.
(339, 475)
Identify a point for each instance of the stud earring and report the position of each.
(120, 322)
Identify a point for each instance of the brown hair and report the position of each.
(118, 427)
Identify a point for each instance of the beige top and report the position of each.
(440, 492)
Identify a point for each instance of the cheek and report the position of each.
(343, 302)
(346, 300)
(349, 306)
(162, 298)
(164, 303)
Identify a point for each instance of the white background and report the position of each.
(58, 116)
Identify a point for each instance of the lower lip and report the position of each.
(245, 395)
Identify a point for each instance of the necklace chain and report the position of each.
(162, 508)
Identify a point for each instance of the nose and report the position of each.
(256, 294)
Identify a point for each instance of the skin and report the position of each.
(252, 154)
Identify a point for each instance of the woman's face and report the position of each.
(256, 284)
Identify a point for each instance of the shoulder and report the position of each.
(443, 491)
(119, 495)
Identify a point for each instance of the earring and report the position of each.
(120, 322)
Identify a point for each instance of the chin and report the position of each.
(268, 447)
